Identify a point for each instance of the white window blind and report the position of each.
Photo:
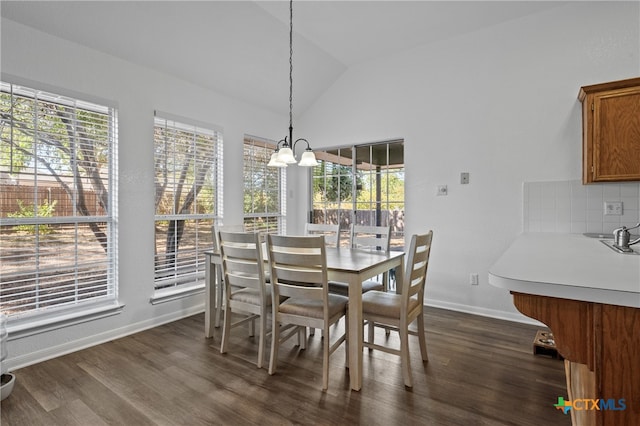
(58, 197)
(188, 188)
(264, 188)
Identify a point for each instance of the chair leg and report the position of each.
(275, 343)
(372, 328)
(219, 296)
(386, 283)
(404, 354)
(422, 338)
(302, 337)
(392, 280)
(226, 330)
(263, 332)
(252, 328)
(325, 359)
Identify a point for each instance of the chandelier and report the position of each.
(285, 154)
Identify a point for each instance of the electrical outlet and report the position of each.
(442, 190)
(613, 208)
(474, 279)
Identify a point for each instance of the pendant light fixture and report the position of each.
(285, 154)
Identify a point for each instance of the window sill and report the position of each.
(168, 295)
(23, 327)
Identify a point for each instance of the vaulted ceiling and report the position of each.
(241, 48)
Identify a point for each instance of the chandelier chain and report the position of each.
(285, 148)
(291, 64)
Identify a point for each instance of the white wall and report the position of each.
(501, 104)
(43, 59)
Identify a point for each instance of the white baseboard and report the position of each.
(86, 342)
(491, 313)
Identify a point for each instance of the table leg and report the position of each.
(399, 276)
(355, 332)
(210, 297)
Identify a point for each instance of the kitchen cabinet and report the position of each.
(611, 131)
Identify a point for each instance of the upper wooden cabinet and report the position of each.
(611, 131)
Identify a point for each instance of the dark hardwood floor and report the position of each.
(481, 372)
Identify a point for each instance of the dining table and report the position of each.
(352, 266)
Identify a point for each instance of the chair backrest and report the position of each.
(226, 228)
(370, 237)
(298, 267)
(242, 261)
(330, 232)
(416, 272)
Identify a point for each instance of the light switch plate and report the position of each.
(464, 178)
(613, 208)
(474, 279)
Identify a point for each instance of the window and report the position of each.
(57, 204)
(264, 189)
(333, 187)
(361, 184)
(188, 188)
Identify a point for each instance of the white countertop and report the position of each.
(569, 266)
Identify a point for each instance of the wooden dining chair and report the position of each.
(299, 273)
(219, 274)
(397, 311)
(246, 291)
(330, 232)
(331, 235)
(373, 238)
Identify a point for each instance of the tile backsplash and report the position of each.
(571, 207)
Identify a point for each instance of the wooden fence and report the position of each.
(11, 194)
(395, 218)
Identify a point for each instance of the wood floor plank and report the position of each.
(112, 408)
(481, 372)
(76, 413)
(49, 385)
(25, 410)
(142, 391)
